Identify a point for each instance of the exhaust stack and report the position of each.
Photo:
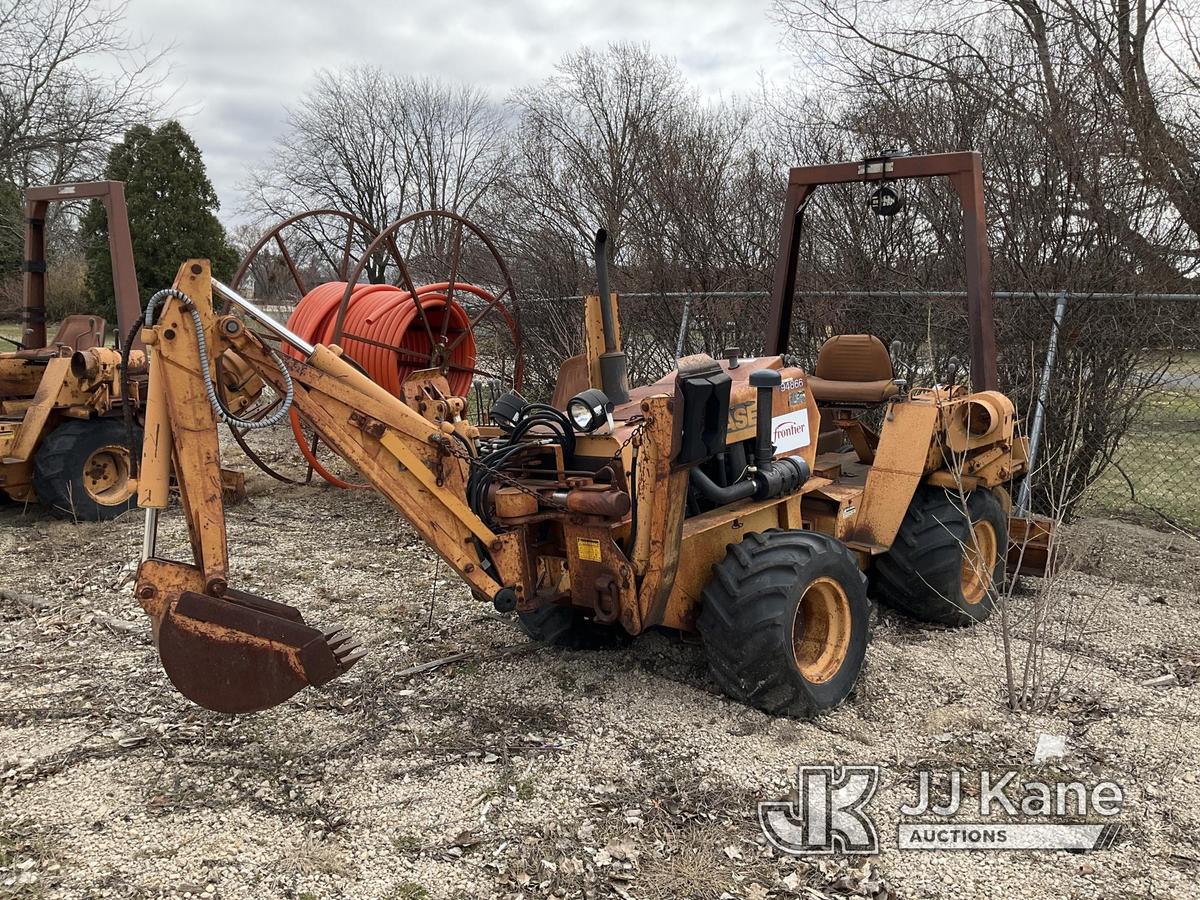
(614, 365)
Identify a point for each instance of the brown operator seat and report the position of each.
(853, 369)
(79, 332)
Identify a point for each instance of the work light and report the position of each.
(590, 409)
(507, 409)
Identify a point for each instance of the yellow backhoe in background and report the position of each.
(63, 441)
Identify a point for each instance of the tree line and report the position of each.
(80, 100)
(1085, 111)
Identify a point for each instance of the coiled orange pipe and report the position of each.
(382, 332)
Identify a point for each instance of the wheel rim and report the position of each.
(978, 562)
(106, 475)
(821, 630)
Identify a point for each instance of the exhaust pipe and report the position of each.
(770, 477)
(614, 364)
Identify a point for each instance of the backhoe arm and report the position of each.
(231, 651)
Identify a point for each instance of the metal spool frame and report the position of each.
(441, 346)
(276, 235)
(385, 243)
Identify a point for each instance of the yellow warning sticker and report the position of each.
(588, 549)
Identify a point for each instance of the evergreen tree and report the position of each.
(12, 229)
(172, 214)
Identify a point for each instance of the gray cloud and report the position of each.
(237, 63)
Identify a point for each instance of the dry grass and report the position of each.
(518, 774)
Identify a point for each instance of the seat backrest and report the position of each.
(80, 332)
(854, 357)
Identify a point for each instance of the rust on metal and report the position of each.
(1032, 547)
(111, 195)
(243, 653)
(965, 171)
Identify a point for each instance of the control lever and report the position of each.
(900, 383)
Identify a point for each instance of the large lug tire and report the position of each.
(944, 567)
(784, 622)
(565, 626)
(81, 470)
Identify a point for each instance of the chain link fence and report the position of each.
(1119, 423)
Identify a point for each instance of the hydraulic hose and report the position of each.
(215, 401)
(148, 318)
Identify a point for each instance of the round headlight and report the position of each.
(580, 414)
(506, 411)
(589, 409)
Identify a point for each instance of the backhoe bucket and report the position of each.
(240, 653)
(1032, 549)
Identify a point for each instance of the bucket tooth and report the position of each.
(330, 630)
(350, 657)
(340, 639)
(242, 653)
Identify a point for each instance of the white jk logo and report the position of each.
(827, 815)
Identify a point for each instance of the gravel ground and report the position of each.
(527, 771)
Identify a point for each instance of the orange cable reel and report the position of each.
(384, 334)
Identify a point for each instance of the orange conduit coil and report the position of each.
(385, 314)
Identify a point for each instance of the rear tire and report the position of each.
(565, 626)
(943, 568)
(81, 470)
(784, 622)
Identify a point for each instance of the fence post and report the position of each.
(1039, 409)
(683, 326)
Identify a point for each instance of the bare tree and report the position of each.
(1101, 85)
(381, 145)
(583, 141)
(59, 111)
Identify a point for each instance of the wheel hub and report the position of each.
(106, 475)
(978, 562)
(821, 630)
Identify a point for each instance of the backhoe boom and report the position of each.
(266, 652)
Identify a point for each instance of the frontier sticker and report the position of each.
(790, 431)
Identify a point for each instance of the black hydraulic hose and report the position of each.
(481, 477)
(533, 415)
(721, 496)
(553, 419)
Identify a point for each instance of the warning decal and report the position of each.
(588, 549)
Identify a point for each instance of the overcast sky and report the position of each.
(237, 63)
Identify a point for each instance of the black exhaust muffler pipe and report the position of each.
(614, 364)
(772, 477)
(764, 381)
